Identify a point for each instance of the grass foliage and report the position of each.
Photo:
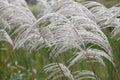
(59, 40)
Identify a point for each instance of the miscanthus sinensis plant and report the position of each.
(71, 34)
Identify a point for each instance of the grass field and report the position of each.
(20, 64)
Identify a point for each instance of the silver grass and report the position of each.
(91, 54)
(21, 26)
(8, 12)
(84, 74)
(4, 36)
(105, 17)
(56, 31)
(116, 11)
(97, 40)
(23, 5)
(63, 25)
(49, 6)
(101, 13)
(58, 70)
(82, 25)
(42, 7)
(4, 25)
(80, 29)
(20, 3)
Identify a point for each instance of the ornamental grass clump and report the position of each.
(64, 35)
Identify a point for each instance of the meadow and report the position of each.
(60, 40)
